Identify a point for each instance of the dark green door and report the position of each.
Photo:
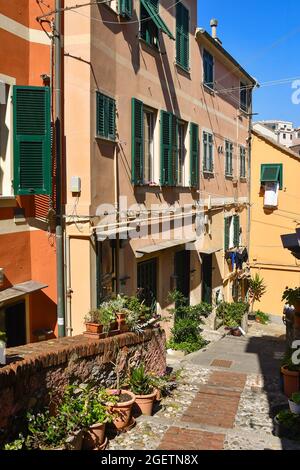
(207, 278)
(147, 282)
(15, 324)
(182, 272)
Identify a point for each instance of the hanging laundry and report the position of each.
(241, 257)
(232, 255)
(271, 194)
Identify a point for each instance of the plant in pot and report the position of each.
(93, 323)
(291, 374)
(163, 384)
(120, 403)
(294, 403)
(287, 424)
(46, 432)
(261, 317)
(141, 385)
(257, 289)
(292, 297)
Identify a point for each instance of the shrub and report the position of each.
(262, 317)
(257, 289)
(231, 314)
(140, 383)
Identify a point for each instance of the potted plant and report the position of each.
(94, 416)
(287, 424)
(294, 403)
(122, 408)
(291, 375)
(261, 317)
(257, 289)
(93, 323)
(292, 297)
(141, 385)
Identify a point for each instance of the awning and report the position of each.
(162, 245)
(209, 251)
(18, 290)
(155, 17)
(112, 232)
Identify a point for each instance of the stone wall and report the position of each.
(36, 370)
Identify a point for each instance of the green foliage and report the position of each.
(288, 361)
(188, 346)
(17, 444)
(165, 383)
(290, 421)
(140, 383)
(296, 398)
(257, 289)
(3, 336)
(262, 317)
(231, 314)
(291, 296)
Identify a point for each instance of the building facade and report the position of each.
(283, 132)
(274, 213)
(157, 118)
(27, 247)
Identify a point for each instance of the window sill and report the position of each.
(105, 139)
(149, 47)
(208, 89)
(8, 201)
(228, 176)
(208, 173)
(243, 179)
(182, 69)
(244, 112)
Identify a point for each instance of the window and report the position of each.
(244, 97)
(271, 173)
(231, 232)
(168, 149)
(152, 23)
(228, 158)
(284, 136)
(32, 140)
(242, 162)
(208, 151)
(148, 118)
(291, 136)
(181, 128)
(147, 282)
(142, 146)
(125, 8)
(298, 135)
(182, 36)
(106, 117)
(208, 69)
(194, 155)
(5, 140)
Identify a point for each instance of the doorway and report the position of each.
(182, 273)
(15, 324)
(206, 278)
(147, 282)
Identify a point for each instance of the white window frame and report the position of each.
(6, 163)
(148, 110)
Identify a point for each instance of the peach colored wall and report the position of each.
(276, 265)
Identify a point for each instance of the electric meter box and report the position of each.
(75, 184)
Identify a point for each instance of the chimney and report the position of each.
(214, 24)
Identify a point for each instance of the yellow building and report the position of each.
(275, 211)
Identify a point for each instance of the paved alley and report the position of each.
(226, 399)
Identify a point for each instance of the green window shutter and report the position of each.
(210, 153)
(32, 140)
(270, 173)
(228, 158)
(137, 144)
(226, 232)
(194, 155)
(208, 69)
(236, 230)
(125, 8)
(105, 116)
(242, 162)
(182, 36)
(168, 148)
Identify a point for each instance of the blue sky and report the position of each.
(264, 36)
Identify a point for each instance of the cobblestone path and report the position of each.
(221, 402)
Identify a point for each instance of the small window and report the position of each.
(244, 104)
(271, 173)
(228, 158)
(125, 8)
(284, 136)
(242, 162)
(231, 232)
(151, 22)
(291, 136)
(208, 152)
(106, 117)
(208, 69)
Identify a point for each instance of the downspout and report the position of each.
(116, 188)
(58, 145)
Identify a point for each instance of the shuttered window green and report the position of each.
(228, 158)
(168, 149)
(208, 152)
(182, 36)
(106, 116)
(227, 222)
(208, 69)
(137, 143)
(242, 162)
(125, 8)
(32, 140)
(271, 173)
(236, 230)
(194, 155)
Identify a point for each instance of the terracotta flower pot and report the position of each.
(291, 382)
(145, 403)
(158, 395)
(122, 409)
(74, 441)
(95, 328)
(94, 437)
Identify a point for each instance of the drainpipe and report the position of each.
(58, 144)
(117, 261)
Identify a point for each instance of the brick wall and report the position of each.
(38, 369)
